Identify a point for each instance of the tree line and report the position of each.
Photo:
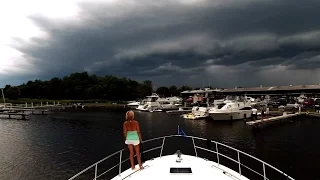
(82, 86)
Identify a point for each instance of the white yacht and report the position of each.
(301, 98)
(155, 103)
(231, 110)
(149, 103)
(170, 103)
(186, 167)
(201, 111)
(133, 104)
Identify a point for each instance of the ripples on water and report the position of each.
(59, 145)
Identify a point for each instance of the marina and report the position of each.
(276, 147)
(168, 90)
(204, 109)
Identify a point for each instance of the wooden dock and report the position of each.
(25, 110)
(262, 123)
(179, 112)
(313, 114)
(11, 115)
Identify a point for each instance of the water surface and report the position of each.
(58, 145)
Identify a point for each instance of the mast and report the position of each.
(4, 100)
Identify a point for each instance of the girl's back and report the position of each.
(131, 125)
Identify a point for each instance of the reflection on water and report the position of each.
(59, 145)
(198, 127)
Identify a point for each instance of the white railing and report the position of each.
(237, 160)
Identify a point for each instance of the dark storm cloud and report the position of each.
(156, 40)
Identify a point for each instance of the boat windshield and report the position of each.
(152, 99)
(221, 105)
(203, 105)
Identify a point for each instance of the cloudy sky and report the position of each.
(227, 42)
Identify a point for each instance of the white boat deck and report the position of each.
(189, 167)
(159, 168)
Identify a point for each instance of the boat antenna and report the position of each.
(4, 100)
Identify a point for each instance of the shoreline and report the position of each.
(98, 107)
(73, 105)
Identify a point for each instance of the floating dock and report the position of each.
(179, 112)
(262, 123)
(14, 115)
(12, 112)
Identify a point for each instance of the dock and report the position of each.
(24, 110)
(262, 123)
(12, 115)
(179, 112)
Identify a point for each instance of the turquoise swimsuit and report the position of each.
(132, 138)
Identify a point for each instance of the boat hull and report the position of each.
(229, 116)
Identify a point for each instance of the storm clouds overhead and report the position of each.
(229, 42)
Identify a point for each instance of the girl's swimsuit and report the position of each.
(132, 138)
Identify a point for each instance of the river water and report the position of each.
(58, 145)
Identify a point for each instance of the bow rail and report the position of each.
(218, 155)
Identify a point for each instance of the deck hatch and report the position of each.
(180, 170)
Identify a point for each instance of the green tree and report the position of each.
(81, 86)
(163, 91)
(184, 88)
(173, 91)
(13, 93)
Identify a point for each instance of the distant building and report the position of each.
(201, 95)
(275, 90)
(257, 91)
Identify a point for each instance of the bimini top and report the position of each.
(187, 167)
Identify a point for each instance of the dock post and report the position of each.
(32, 104)
(26, 104)
(41, 104)
(9, 116)
(47, 103)
(299, 109)
(54, 103)
(58, 102)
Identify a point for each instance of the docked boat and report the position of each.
(183, 166)
(149, 103)
(154, 103)
(198, 112)
(133, 104)
(169, 103)
(231, 110)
